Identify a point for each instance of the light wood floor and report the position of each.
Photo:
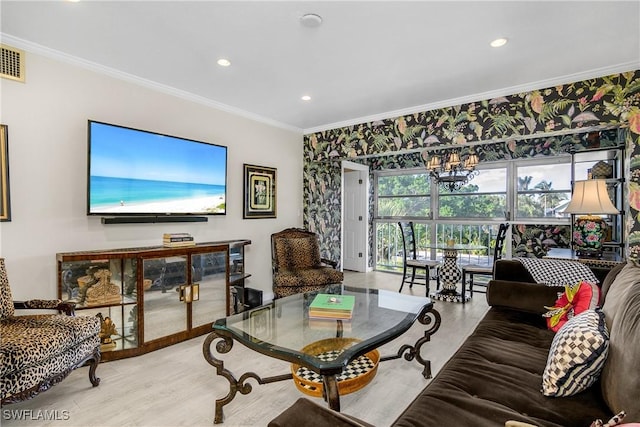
(175, 386)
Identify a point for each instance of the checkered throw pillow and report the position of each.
(577, 355)
(555, 272)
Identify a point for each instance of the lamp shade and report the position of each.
(591, 197)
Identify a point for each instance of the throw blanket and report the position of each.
(555, 272)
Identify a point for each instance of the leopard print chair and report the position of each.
(39, 351)
(297, 264)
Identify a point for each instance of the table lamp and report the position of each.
(589, 200)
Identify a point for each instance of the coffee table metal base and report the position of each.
(429, 317)
(235, 385)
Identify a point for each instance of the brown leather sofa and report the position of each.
(496, 375)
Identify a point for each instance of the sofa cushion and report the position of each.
(321, 276)
(616, 294)
(31, 376)
(620, 379)
(522, 296)
(310, 414)
(31, 340)
(577, 355)
(608, 280)
(496, 375)
(512, 270)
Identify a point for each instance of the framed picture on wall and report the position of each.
(5, 201)
(259, 192)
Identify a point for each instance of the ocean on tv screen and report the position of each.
(111, 195)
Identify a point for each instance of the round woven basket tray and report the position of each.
(358, 373)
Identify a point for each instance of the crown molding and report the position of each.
(527, 87)
(111, 72)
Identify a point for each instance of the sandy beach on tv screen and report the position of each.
(196, 205)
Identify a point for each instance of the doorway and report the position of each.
(355, 216)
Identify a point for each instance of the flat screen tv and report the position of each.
(136, 172)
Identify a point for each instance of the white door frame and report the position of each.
(348, 166)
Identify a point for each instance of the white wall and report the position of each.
(47, 122)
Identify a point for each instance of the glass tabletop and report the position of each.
(283, 328)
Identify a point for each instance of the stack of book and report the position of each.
(327, 306)
(177, 240)
(330, 324)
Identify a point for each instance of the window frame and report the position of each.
(433, 220)
(397, 172)
(515, 192)
(484, 166)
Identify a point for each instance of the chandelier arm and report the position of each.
(451, 172)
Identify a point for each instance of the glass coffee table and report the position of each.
(327, 356)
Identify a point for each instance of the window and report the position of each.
(536, 190)
(530, 193)
(485, 196)
(403, 194)
(543, 190)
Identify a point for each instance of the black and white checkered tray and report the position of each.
(357, 367)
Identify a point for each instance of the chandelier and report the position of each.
(453, 173)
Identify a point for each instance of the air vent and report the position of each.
(11, 63)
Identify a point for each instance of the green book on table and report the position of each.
(328, 303)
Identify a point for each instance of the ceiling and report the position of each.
(367, 60)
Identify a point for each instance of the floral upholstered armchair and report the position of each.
(297, 264)
(39, 351)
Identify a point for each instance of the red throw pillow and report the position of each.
(575, 299)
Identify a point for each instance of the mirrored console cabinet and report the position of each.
(152, 297)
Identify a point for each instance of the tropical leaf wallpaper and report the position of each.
(633, 223)
(541, 122)
(533, 241)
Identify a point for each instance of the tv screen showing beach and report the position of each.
(139, 172)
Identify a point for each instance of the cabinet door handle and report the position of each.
(189, 293)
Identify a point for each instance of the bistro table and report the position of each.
(450, 273)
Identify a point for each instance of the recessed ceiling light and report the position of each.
(224, 62)
(311, 20)
(499, 42)
(305, 98)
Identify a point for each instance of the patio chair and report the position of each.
(485, 270)
(411, 263)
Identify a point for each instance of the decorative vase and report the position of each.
(588, 235)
